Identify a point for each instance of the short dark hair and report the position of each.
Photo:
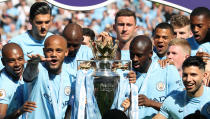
(125, 12)
(164, 25)
(114, 114)
(194, 61)
(39, 8)
(88, 32)
(200, 11)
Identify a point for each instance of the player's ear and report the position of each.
(150, 54)
(186, 56)
(66, 52)
(206, 75)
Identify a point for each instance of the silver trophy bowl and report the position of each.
(105, 84)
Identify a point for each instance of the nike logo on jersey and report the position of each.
(29, 52)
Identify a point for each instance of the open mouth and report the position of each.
(160, 47)
(188, 85)
(43, 31)
(18, 70)
(136, 65)
(197, 36)
(53, 61)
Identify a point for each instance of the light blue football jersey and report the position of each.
(29, 44)
(125, 54)
(51, 94)
(205, 47)
(194, 45)
(156, 84)
(11, 92)
(180, 105)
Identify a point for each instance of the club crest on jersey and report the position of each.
(67, 90)
(2, 93)
(160, 86)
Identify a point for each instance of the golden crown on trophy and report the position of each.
(104, 47)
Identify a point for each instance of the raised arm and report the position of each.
(31, 71)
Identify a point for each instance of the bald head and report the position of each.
(141, 42)
(74, 36)
(13, 60)
(9, 48)
(141, 53)
(73, 33)
(56, 38)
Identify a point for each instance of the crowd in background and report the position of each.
(14, 17)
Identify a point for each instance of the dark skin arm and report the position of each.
(27, 107)
(144, 101)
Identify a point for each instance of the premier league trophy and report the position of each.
(105, 78)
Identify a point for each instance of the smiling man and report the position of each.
(32, 41)
(195, 97)
(49, 81)
(163, 34)
(11, 86)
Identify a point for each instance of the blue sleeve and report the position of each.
(164, 108)
(5, 94)
(205, 47)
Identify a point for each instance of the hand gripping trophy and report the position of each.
(105, 77)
